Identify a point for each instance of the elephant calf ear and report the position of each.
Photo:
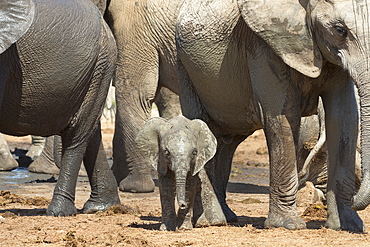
(282, 24)
(16, 16)
(207, 144)
(148, 138)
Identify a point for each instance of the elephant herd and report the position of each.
(233, 66)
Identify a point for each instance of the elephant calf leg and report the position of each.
(167, 193)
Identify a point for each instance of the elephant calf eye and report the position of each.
(195, 152)
(341, 31)
(166, 152)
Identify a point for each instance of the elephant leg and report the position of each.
(50, 160)
(104, 191)
(7, 162)
(81, 130)
(341, 128)
(168, 103)
(62, 203)
(211, 212)
(167, 191)
(45, 162)
(282, 135)
(38, 144)
(136, 85)
(226, 147)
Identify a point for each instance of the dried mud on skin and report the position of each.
(23, 222)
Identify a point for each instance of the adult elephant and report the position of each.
(57, 59)
(247, 65)
(146, 71)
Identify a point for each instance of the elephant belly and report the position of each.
(216, 62)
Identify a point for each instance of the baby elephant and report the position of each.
(179, 149)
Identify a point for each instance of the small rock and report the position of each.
(2, 219)
(257, 164)
(308, 195)
(262, 151)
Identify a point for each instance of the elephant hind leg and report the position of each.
(226, 147)
(104, 191)
(45, 162)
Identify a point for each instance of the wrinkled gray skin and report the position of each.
(268, 66)
(49, 161)
(312, 158)
(179, 149)
(70, 67)
(145, 36)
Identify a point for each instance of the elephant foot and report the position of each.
(34, 152)
(202, 221)
(41, 165)
(7, 163)
(348, 220)
(186, 225)
(102, 202)
(91, 207)
(60, 206)
(137, 183)
(168, 226)
(289, 222)
(229, 214)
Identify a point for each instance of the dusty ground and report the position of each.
(24, 222)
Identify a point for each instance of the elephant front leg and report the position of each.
(283, 173)
(341, 128)
(167, 191)
(168, 103)
(104, 192)
(136, 86)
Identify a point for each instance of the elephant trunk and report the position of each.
(181, 188)
(362, 199)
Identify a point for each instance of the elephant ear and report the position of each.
(282, 24)
(16, 16)
(207, 144)
(148, 140)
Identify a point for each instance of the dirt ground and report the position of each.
(136, 223)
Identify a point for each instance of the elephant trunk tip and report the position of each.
(357, 204)
(362, 198)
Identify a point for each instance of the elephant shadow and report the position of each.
(148, 226)
(258, 222)
(236, 187)
(23, 212)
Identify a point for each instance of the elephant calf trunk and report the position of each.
(181, 192)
